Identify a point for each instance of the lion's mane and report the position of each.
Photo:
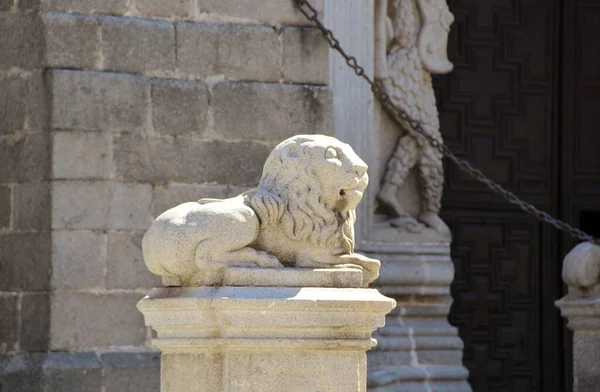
(289, 197)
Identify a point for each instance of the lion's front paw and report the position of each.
(351, 266)
(265, 260)
(369, 266)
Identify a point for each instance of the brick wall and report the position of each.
(118, 110)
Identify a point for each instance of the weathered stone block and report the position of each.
(270, 111)
(78, 259)
(13, 95)
(125, 372)
(27, 5)
(31, 206)
(80, 372)
(72, 372)
(172, 195)
(38, 102)
(22, 42)
(72, 40)
(100, 205)
(87, 6)
(441, 356)
(188, 160)
(6, 5)
(81, 155)
(179, 108)
(137, 45)
(130, 206)
(165, 9)
(305, 55)
(246, 52)
(9, 322)
(5, 206)
(21, 372)
(99, 101)
(80, 205)
(35, 321)
(22, 102)
(81, 319)
(25, 261)
(25, 157)
(125, 268)
(268, 11)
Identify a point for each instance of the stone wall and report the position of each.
(110, 113)
(25, 206)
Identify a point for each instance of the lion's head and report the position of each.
(310, 187)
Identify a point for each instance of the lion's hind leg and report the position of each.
(212, 254)
(246, 257)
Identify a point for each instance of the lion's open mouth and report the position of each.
(349, 192)
(354, 189)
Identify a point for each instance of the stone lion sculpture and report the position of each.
(301, 215)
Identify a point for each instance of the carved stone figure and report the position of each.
(301, 215)
(411, 39)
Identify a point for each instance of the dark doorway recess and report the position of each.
(522, 104)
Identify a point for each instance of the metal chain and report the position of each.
(404, 119)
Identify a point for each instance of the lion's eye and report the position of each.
(331, 153)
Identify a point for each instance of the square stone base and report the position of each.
(264, 339)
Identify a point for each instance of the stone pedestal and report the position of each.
(583, 314)
(418, 350)
(266, 339)
(581, 307)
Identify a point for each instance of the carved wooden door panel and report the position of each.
(500, 108)
(580, 134)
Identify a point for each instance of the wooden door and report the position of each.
(501, 108)
(580, 132)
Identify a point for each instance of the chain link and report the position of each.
(405, 121)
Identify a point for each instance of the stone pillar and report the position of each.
(264, 339)
(418, 349)
(581, 307)
(584, 320)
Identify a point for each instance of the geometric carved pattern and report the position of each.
(585, 91)
(496, 305)
(498, 109)
(580, 108)
(528, 118)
